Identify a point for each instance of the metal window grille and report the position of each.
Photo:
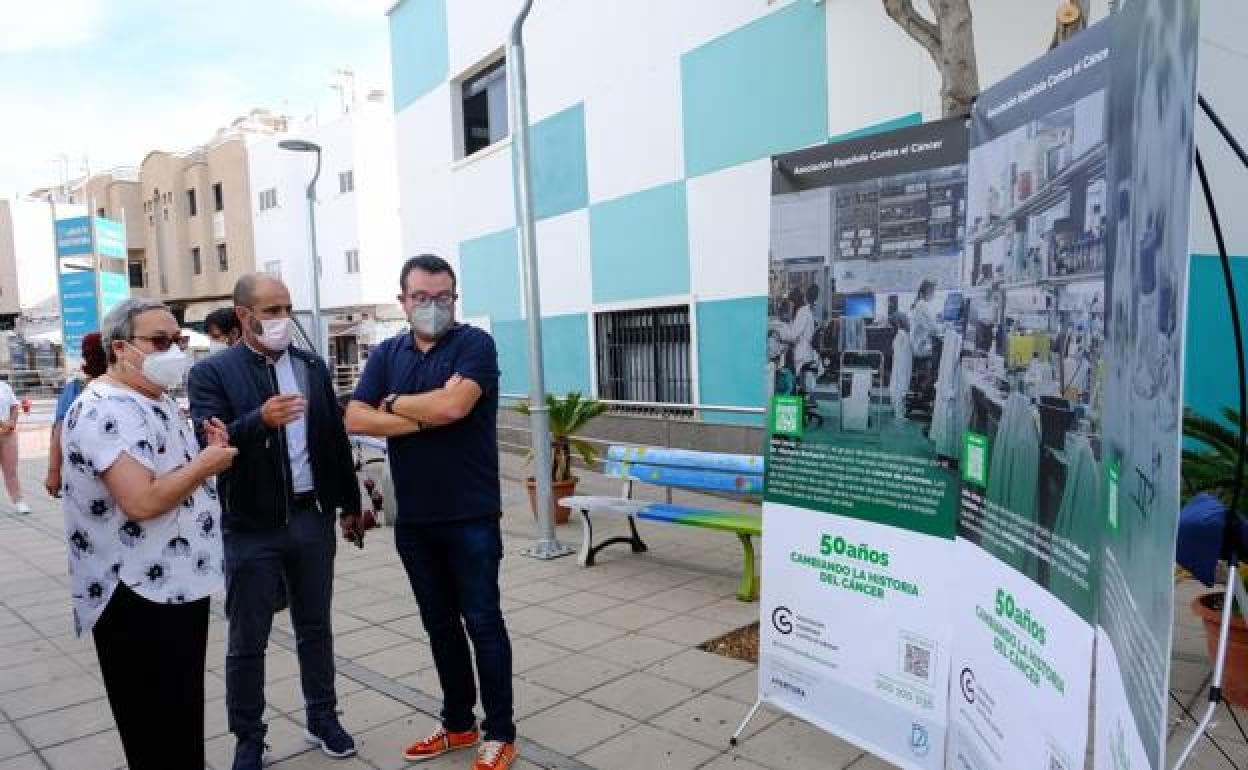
(644, 355)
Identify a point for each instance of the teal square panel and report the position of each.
(560, 180)
(913, 119)
(511, 338)
(732, 356)
(419, 56)
(639, 245)
(565, 354)
(756, 91)
(1209, 347)
(489, 277)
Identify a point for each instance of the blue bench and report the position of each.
(739, 476)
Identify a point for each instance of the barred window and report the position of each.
(644, 355)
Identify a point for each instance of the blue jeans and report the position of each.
(301, 554)
(453, 569)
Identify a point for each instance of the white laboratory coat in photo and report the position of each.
(923, 327)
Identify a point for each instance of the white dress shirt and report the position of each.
(297, 431)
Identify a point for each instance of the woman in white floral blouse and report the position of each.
(141, 524)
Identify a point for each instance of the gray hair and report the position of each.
(118, 324)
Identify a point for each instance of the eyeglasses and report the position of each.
(421, 299)
(161, 342)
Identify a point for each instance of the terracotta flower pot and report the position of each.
(558, 491)
(1235, 684)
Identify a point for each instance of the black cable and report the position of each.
(1222, 129)
(1232, 528)
(1196, 722)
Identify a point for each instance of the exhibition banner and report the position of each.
(1151, 111)
(1030, 413)
(862, 480)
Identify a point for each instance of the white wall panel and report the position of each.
(564, 266)
(729, 231)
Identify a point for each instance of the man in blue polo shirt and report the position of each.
(433, 394)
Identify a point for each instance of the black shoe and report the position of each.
(326, 731)
(249, 753)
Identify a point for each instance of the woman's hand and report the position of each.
(214, 459)
(215, 433)
(53, 482)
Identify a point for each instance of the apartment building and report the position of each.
(196, 220)
(357, 224)
(653, 126)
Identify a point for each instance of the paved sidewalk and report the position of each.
(607, 671)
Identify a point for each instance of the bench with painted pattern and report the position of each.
(738, 476)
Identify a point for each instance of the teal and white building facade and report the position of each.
(653, 125)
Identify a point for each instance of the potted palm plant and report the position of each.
(568, 415)
(1211, 469)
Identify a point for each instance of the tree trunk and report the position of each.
(950, 42)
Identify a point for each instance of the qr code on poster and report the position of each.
(917, 661)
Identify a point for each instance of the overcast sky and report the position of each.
(110, 80)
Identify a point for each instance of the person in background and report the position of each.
(295, 470)
(800, 333)
(222, 328)
(94, 363)
(10, 405)
(433, 393)
(924, 328)
(143, 543)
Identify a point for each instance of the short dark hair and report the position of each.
(429, 263)
(224, 319)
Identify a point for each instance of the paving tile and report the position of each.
(677, 599)
(67, 724)
(579, 634)
(733, 762)
(699, 669)
(383, 746)
(649, 747)
(528, 653)
(41, 672)
(631, 616)
(382, 611)
(51, 696)
(530, 698)
(23, 762)
(401, 660)
(742, 689)
(533, 620)
(585, 604)
(102, 750)
(575, 674)
(712, 719)
(411, 627)
(640, 695)
(868, 762)
(536, 591)
(791, 743)
(689, 630)
(366, 709)
(11, 743)
(635, 650)
(573, 726)
(366, 641)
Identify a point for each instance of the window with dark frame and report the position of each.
(136, 275)
(484, 107)
(644, 355)
(223, 260)
(192, 205)
(197, 263)
(268, 199)
(346, 181)
(218, 197)
(353, 261)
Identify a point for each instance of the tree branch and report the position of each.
(922, 31)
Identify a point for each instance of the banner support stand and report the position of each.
(1234, 590)
(745, 722)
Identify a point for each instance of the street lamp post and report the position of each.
(318, 331)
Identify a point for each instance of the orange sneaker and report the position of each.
(495, 755)
(441, 742)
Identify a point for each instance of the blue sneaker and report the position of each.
(326, 732)
(249, 753)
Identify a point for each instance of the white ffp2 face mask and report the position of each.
(216, 346)
(167, 370)
(275, 334)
